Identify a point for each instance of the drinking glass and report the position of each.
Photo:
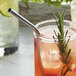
(9, 28)
(73, 10)
(47, 55)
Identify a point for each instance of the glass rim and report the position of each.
(46, 21)
(52, 20)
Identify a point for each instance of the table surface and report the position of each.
(21, 63)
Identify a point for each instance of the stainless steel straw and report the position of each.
(24, 20)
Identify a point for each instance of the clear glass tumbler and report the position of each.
(47, 55)
(9, 28)
(73, 10)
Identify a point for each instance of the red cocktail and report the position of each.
(47, 57)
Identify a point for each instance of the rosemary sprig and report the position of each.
(62, 43)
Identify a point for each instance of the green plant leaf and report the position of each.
(68, 55)
(66, 33)
(49, 2)
(26, 3)
(36, 1)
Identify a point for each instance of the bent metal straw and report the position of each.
(24, 20)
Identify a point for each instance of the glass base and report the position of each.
(9, 48)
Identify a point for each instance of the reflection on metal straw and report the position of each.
(23, 19)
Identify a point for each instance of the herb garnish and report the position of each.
(50, 2)
(64, 51)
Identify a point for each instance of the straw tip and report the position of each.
(9, 10)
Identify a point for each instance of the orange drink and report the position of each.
(47, 57)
